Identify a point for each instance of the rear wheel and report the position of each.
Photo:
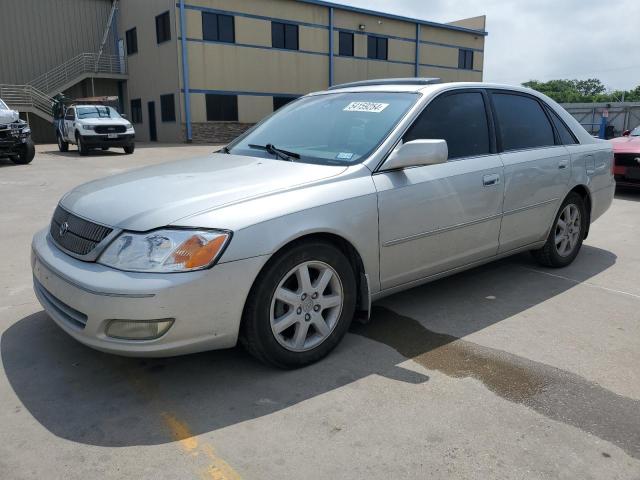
(566, 235)
(62, 145)
(27, 152)
(300, 306)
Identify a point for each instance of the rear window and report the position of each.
(522, 121)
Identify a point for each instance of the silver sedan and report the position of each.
(337, 200)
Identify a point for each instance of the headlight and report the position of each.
(88, 127)
(128, 125)
(168, 250)
(26, 131)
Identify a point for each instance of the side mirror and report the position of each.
(123, 115)
(417, 153)
(626, 133)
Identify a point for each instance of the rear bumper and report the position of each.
(123, 140)
(82, 298)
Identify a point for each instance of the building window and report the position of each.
(167, 108)
(377, 47)
(465, 59)
(279, 102)
(346, 44)
(222, 108)
(218, 28)
(163, 27)
(284, 35)
(132, 41)
(136, 111)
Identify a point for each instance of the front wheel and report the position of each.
(129, 149)
(300, 307)
(566, 235)
(82, 148)
(27, 153)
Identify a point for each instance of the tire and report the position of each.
(62, 145)
(27, 152)
(129, 149)
(104, 149)
(319, 318)
(82, 149)
(564, 243)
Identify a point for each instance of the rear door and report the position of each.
(437, 217)
(536, 168)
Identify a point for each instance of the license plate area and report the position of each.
(112, 135)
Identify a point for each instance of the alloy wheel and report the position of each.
(568, 230)
(306, 306)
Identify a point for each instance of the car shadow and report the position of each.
(94, 398)
(72, 153)
(628, 193)
(5, 162)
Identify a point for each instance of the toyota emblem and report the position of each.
(64, 228)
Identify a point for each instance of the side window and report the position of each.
(460, 119)
(377, 47)
(284, 35)
(566, 137)
(136, 111)
(218, 27)
(132, 41)
(70, 114)
(523, 123)
(221, 108)
(163, 28)
(345, 47)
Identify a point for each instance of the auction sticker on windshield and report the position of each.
(371, 107)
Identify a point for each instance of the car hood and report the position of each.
(626, 144)
(8, 116)
(160, 195)
(103, 121)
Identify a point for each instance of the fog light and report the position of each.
(138, 329)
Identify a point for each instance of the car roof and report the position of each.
(388, 85)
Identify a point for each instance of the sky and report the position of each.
(543, 39)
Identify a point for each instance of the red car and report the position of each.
(627, 158)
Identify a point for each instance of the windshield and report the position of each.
(636, 132)
(98, 111)
(329, 129)
(3, 106)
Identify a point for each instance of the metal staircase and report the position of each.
(26, 98)
(35, 96)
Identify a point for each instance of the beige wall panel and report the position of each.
(351, 70)
(284, 9)
(198, 108)
(314, 39)
(402, 51)
(234, 68)
(360, 45)
(253, 31)
(451, 37)
(153, 71)
(478, 60)
(193, 23)
(352, 20)
(252, 109)
(437, 55)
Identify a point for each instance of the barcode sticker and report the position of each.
(370, 107)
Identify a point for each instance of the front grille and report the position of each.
(627, 159)
(110, 129)
(69, 314)
(76, 234)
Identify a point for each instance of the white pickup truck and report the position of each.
(95, 126)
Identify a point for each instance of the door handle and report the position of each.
(563, 164)
(491, 179)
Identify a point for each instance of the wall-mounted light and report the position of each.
(362, 26)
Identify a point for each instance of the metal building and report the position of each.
(237, 61)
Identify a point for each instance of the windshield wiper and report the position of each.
(278, 152)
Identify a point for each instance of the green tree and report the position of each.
(581, 91)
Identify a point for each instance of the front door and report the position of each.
(438, 217)
(153, 134)
(536, 168)
(68, 124)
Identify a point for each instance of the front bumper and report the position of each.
(99, 140)
(82, 297)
